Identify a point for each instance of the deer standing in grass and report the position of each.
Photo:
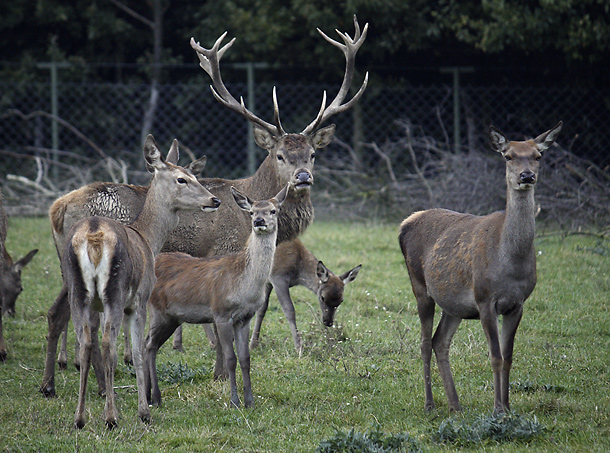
(477, 267)
(294, 265)
(108, 268)
(226, 290)
(10, 277)
(290, 160)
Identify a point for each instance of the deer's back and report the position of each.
(452, 254)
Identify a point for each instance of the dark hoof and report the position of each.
(48, 391)
(79, 424)
(62, 365)
(111, 424)
(3, 356)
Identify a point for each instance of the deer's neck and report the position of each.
(259, 254)
(157, 219)
(517, 240)
(265, 183)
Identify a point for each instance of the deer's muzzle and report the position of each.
(303, 179)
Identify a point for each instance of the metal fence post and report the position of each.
(457, 120)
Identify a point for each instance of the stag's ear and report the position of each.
(281, 196)
(197, 166)
(350, 276)
(322, 272)
(242, 201)
(544, 141)
(323, 137)
(20, 264)
(152, 155)
(497, 140)
(173, 154)
(264, 138)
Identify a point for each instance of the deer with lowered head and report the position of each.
(10, 277)
(226, 290)
(108, 268)
(295, 265)
(476, 267)
(290, 160)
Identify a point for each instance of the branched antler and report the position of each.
(349, 48)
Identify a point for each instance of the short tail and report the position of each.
(95, 247)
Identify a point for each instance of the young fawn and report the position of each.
(108, 268)
(226, 290)
(477, 267)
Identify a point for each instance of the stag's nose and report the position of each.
(259, 222)
(215, 202)
(304, 178)
(527, 177)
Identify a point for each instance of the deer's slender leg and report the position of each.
(225, 338)
(57, 318)
(83, 329)
(177, 341)
(489, 320)
(425, 309)
(112, 322)
(241, 332)
(260, 314)
(441, 342)
(137, 323)
(283, 296)
(159, 332)
(510, 322)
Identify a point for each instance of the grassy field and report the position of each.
(364, 374)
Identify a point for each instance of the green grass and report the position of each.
(363, 376)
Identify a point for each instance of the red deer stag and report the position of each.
(226, 290)
(108, 268)
(477, 267)
(290, 161)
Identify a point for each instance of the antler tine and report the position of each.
(209, 60)
(276, 114)
(350, 48)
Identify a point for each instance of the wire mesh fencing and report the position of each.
(56, 140)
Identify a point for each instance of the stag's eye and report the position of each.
(538, 158)
(181, 181)
(273, 212)
(508, 158)
(280, 158)
(313, 156)
(251, 212)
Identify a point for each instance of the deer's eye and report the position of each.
(508, 158)
(313, 156)
(280, 158)
(273, 212)
(181, 181)
(251, 212)
(538, 158)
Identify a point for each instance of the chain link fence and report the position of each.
(54, 139)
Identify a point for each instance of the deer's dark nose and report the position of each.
(304, 177)
(528, 177)
(215, 202)
(259, 222)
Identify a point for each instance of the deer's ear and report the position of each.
(323, 137)
(242, 201)
(350, 276)
(20, 264)
(152, 155)
(544, 141)
(197, 166)
(281, 196)
(173, 154)
(264, 138)
(497, 140)
(322, 272)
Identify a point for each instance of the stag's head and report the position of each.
(292, 155)
(330, 292)
(522, 158)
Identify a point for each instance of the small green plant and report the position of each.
(495, 428)
(174, 373)
(373, 441)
